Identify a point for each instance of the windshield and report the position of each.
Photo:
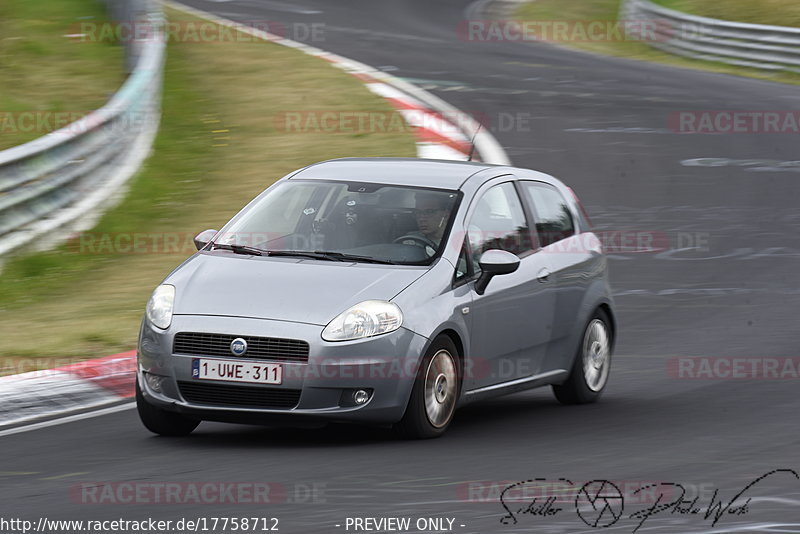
(396, 224)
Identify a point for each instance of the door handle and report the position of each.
(544, 275)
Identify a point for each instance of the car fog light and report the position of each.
(154, 382)
(355, 397)
(360, 397)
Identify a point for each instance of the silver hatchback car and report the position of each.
(387, 291)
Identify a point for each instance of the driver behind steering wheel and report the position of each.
(431, 212)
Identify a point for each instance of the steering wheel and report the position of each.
(419, 240)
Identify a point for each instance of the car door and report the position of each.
(512, 320)
(571, 263)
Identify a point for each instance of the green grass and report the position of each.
(607, 10)
(219, 145)
(774, 12)
(42, 70)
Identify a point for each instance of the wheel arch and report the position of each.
(606, 307)
(455, 337)
(458, 341)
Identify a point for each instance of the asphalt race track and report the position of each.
(728, 285)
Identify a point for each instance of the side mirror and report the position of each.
(495, 262)
(202, 239)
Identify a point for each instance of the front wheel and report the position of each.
(435, 393)
(161, 421)
(592, 364)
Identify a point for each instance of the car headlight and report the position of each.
(368, 318)
(159, 307)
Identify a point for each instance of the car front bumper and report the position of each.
(384, 365)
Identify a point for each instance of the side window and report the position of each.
(553, 217)
(498, 222)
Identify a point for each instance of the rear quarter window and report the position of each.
(554, 220)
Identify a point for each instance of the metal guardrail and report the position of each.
(736, 43)
(58, 183)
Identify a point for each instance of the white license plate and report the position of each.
(237, 371)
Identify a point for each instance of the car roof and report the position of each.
(442, 174)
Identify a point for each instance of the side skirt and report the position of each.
(513, 386)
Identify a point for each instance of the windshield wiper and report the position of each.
(315, 255)
(352, 257)
(329, 256)
(303, 254)
(239, 249)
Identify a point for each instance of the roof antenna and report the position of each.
(472, 148)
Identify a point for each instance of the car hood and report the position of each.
(287, 289)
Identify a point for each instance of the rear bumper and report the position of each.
(385, 365)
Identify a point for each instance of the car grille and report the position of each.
(203, 344)
(239, 396)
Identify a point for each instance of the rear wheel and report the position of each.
(592, 364)
(435, 393)
(161, 421)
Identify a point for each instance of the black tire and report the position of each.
(576, 389)
(160, 421)
(417, 423)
